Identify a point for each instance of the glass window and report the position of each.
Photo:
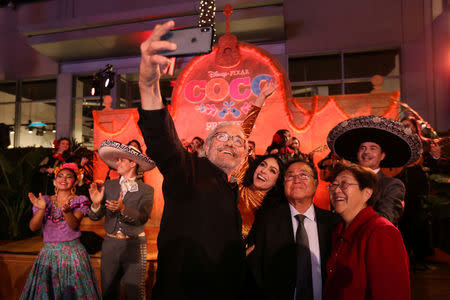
(7, 110)
(84, 123)
(326, 74)
(367, 64)
(313, 68)
(41, 115)
(38, 113)
(320, 89)
(39, 89)
(358, 88)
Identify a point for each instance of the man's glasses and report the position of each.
(224, 137)
(301, 176)
(343, 186)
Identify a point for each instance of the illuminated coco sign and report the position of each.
(207, 93)
(218, 88)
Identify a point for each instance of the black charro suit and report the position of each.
(272, 264)
(388, 202)
(124, 258)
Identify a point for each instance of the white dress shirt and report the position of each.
(310, 224)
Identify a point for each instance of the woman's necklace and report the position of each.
(57, 214)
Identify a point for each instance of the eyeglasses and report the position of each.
(224, 137)
(343, 186)
(302, 176)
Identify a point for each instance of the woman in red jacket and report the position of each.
(368, 258)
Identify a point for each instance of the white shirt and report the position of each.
(310, 224)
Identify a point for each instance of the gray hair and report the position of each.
(216, 129)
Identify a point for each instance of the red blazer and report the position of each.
(368, 260)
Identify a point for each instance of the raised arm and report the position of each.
(151, 64)
(97, 210)
(249, 121)
(156, 124)
(38, 216)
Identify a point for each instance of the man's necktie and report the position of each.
(304, 274)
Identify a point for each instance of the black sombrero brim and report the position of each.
(400, 145)
(110, 151)
(397, 150)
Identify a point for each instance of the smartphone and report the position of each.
(190, 41)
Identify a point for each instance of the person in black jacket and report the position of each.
(200, 248)
(273, 259)
(375, 142)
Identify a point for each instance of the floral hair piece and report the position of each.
(73, 167)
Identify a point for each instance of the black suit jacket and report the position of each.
(138, 206)
(389, 199)
(272, 266)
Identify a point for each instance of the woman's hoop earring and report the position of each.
(73, 190)
(56, 190)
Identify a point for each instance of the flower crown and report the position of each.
(73, 167)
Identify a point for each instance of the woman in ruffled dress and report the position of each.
(62, 269)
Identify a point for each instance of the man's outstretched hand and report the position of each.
(152, 64)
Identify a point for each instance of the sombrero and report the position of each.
(400, 144)
(109, 151)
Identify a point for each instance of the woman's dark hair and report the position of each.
(202, 142)
(248, 177)
(65, 139)
(282, 133)
(278, 140)
(137, 143)
(364, 176)
(67, 153)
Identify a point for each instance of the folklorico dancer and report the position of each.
(62, 269)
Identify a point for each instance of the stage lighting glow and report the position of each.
(102, 79)
(109, 79)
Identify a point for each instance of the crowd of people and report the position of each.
(235, 225)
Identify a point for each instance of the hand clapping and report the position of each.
(96, 194)
(37, 202)
(115, 205)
